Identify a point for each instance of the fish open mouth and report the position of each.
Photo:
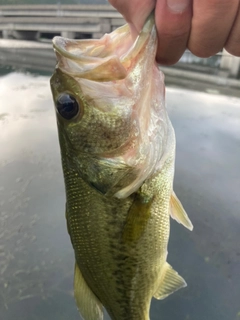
(111, 73)
(106, 59)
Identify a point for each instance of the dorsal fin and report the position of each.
(170, 282)
(178, 213)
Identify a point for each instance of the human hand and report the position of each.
(205, 27)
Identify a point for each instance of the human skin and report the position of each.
(205, 27)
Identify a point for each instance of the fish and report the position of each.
(118, 156)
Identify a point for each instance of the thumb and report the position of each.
(135, 12)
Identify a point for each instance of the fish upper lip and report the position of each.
(59, 44)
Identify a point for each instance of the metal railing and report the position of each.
(94, 20)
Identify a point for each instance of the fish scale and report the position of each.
(96, 233)
(118, 152)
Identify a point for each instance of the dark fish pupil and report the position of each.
(67, 106)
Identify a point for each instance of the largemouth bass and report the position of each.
(118, 151)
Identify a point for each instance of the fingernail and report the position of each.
(178, 6)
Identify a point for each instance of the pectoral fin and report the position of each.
(170, 282)
(137, 218)
(88, 304)
(178, 213)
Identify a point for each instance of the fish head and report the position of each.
(94, 117)
(109, 101)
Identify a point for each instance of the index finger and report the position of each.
(135, 12)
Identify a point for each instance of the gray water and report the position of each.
(36, 258)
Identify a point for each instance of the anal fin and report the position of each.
(88, 304)
(178, 213)
(170, 282)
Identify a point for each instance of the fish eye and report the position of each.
(67, 106)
